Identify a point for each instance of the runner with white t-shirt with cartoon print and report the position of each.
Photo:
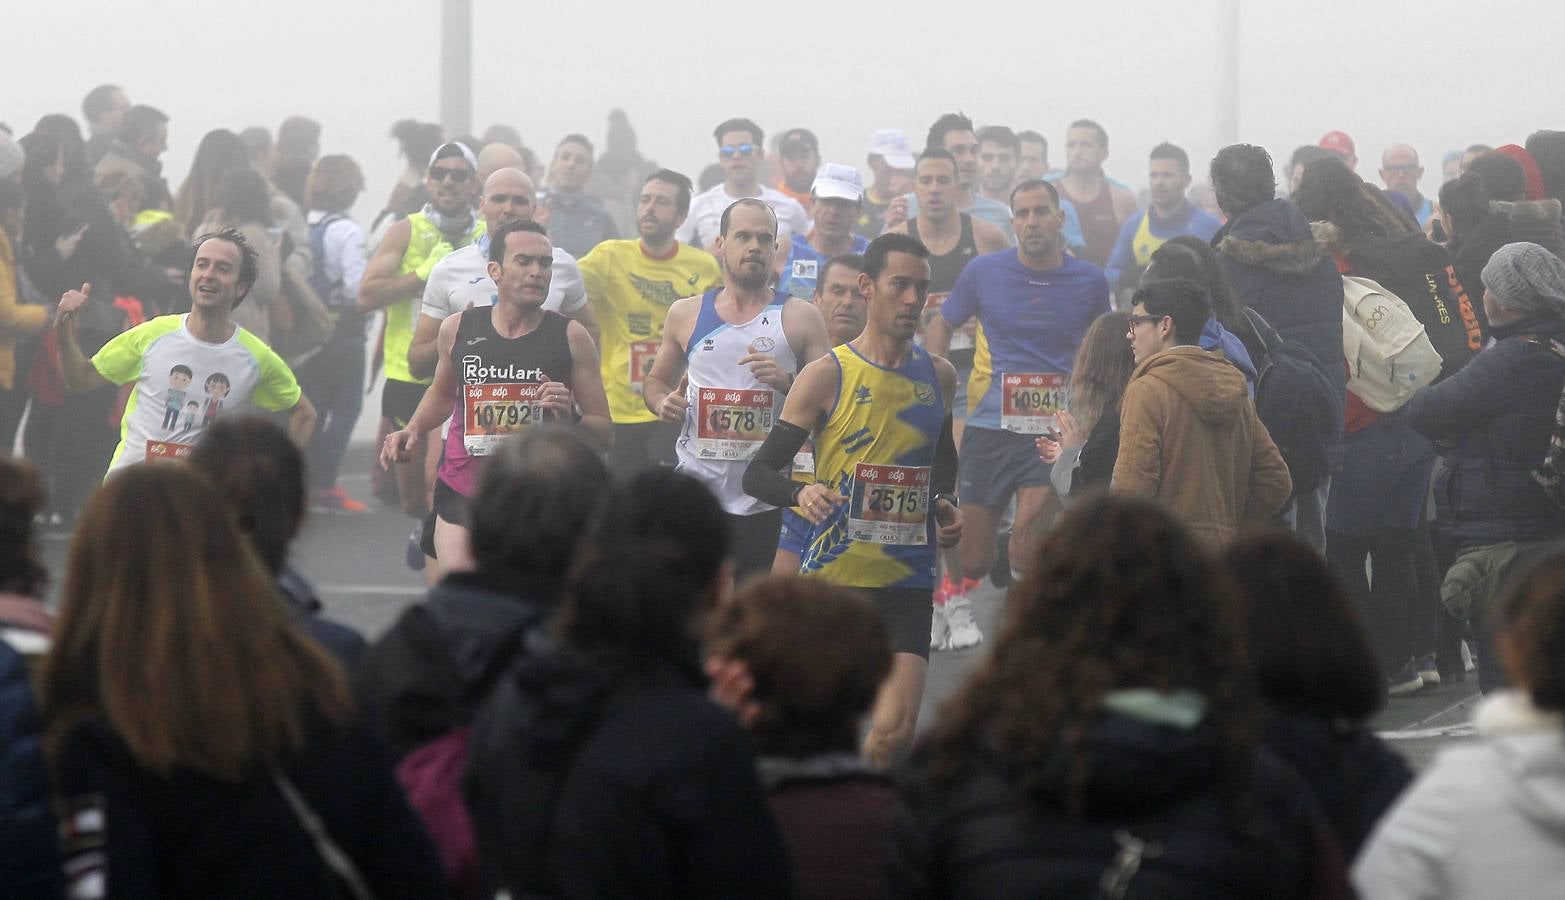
(169, 356)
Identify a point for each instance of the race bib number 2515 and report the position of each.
(889, 504)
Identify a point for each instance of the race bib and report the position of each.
(889, 505)
(642, 353)
(732, 424)
(157, 450)
(801, 283)
(1030, 401)
(493, 412)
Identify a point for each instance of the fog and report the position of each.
(1427, 73)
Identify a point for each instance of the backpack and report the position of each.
(431, 776)
(329, 291)
(1419, 272)
(1296, 402)
(1389, 355)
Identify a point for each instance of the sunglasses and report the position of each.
(1138, 320)
(503, 199)
(455, 176)
(1404, 169)
(729, 151)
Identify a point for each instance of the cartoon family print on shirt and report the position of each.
(196, 415)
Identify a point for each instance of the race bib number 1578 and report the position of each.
(731, 424)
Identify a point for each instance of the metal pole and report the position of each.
(456, 66)
(1228, 46)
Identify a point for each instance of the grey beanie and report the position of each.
(1526, 278)
(11, 156)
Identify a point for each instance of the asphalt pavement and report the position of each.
(357, 565)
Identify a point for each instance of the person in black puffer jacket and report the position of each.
(430, 672)
(1106, 746)
(601, 769)
(1318, 682)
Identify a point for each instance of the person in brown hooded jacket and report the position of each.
(1189, 435)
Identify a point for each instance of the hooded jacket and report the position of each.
(1486, 820)
(1278, 269)
(1145, 782)
(583, 785)
(1189, 438)
(1537, 221)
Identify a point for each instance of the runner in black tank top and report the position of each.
(1099, 225)
(943, 271)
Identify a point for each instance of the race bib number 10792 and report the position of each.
(493, 412)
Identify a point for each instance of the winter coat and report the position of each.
(29, 851)
(581, 786)
(428, 674)
(1384, 479)
(1155, 783)
(1471, 253)
(1493, 420)
(1354, 776)
(1189, 438)
(1536, 221)
(835, 818)
(1486, 820)
(1278, 269)
(189, 835)
(19, 321)
(342, 641)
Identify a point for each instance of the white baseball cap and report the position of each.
(842, 182)
(891, 145)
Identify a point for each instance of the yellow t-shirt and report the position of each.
(630, 293)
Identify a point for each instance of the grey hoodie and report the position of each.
(1486, 821)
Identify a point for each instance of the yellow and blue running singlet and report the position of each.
(877, 448)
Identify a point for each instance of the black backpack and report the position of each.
(1296, 402)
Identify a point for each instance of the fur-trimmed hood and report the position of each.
(1273, 236)
(1527, 212)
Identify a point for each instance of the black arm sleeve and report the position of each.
(764, 479)
(942, 477)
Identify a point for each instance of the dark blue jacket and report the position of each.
(29, 852)
(977, 838)
(1353, 774)
(1493, 419)
(1279, 269)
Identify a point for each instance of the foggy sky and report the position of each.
(1426, 73)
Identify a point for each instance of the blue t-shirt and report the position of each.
(804, 265)
(1128, 256)
(1030, 322)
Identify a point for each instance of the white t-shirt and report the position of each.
(183, 384)
(462, 279)
(706, 213)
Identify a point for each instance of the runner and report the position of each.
(954, 239)
(461, 279)
(394, 281)
(200, 359)
(738, 349)
(631, 284)
(502, 368)
(841, 303)
(1034, 305)
(739, 152)
(837, 194)
(1102, 204)
(879, 408)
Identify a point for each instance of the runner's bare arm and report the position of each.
(943, 474)
(434, 408)
(587, 387)
(659, 389)
(425, 347)
(78, 370)
(1125, 204)
(937, 335)
(381, 286)
(806, 331)
(588, 320)
(988, 236)
(301, 422)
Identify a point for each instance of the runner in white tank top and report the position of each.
(727, 360)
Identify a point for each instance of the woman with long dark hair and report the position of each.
(1108, 739)
(1107, 742)
(202, 744)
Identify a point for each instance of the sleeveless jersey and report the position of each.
(730, 411)
(499, 395)
(1099, 227)
(943, 272)
(877, 448)
(423, 237)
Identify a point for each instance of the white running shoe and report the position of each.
(939, 628)
(964, 631)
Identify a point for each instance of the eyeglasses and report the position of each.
(503, 199)
(729, 151)
(1404, 169)
(1138, 320)
(455, 176)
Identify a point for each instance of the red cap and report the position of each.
(1339, 143)
(1529, 169)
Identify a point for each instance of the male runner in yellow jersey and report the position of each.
(879, 407)
(630, 285)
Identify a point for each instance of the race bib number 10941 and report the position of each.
(1029, 402)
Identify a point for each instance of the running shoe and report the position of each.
(1406, 681)
(1428, 671)
(964, 631)
(335, 500)
(939, 628)
(414, 554)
